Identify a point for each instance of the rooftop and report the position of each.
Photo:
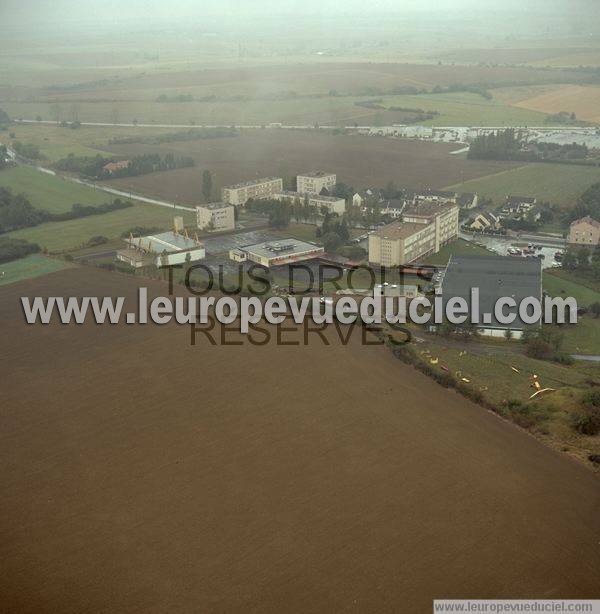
(165, 241)
(245, 184)
(428, 209)
(495, 277)
(399, 230)
(586, 220)
(271, 249)
(316, 174)
(213, 206)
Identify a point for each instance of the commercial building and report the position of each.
(313, 183)
(494, 277)
(277, 253)
(215, 217)
(331, 203)
(239, 193)
(162, 249)
(422, 230)
(585, 231)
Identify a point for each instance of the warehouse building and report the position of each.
(277, 253)
(162, 249)
(313, 183)
(215, 217)
(240, 193)
(495, 277)
(331, 203)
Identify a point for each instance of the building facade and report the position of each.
(585, 231)
(331, 203)
(240, 193)
(313, 183)
(215, 217)
(422, 231)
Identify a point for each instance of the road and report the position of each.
(103, 188)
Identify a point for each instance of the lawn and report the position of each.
(460, 247)
(583, 337)
(35, 265)
(48, 192)
(556, 285)
(556, 183)
(59, 236)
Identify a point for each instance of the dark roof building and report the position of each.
(495, 277)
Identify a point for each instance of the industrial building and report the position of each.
(240, 193)
(162, 249)
(331, 203)
(277, 253)
(495, 277)
(215, 217)
(422, 230)
(313, 183)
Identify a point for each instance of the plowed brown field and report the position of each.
(142, 474)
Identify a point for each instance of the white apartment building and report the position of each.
(239, 193)
(313, 183)
(331, 203)
(215, 216)
(422, 230)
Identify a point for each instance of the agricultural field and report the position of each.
(47, 192)
(359, 161)
(582, 100)
(209, 476)
(30, 267)
(72, 234)
(557, 183)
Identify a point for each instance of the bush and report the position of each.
(538, 348)
(97, 240)
(13, 249)
(586, 421)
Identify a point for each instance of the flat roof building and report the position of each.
(162, 249)
(240, 193)
(495, 277)
(333, 204)
(215, 217)
(313, 183)
(277, 253)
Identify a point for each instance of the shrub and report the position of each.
(586, 421)
(538, 348)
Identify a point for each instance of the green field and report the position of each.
(59, 236)
(48, 192)
(460, 247)
(35, 265)
(555, 285)
(466, 109)
(556, 183)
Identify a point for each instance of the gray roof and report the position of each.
(280, 247)
(496, 277)
(166, 241)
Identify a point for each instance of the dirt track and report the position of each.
(141, 474)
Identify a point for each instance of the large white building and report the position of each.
(313, 183)
(422, 231)
(215, 216)
(331, 203)
(277, 253)
(164, 249)
(239, 193)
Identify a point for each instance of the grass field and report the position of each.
(49, 193)
(556, 285)
(32, 266)
(59, 236)
(460, 247)
(556, 183)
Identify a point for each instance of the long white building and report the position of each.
(240, 193)
(333, 204)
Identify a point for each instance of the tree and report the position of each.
(570, 260)
(206, 185)
(595, 309)
(508, 334)
(583, 258)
